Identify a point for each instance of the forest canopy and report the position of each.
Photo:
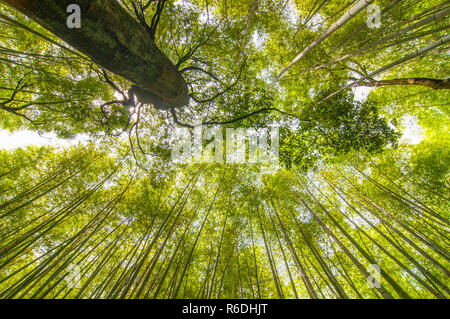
(345, 82)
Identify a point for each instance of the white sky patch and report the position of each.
(203, 18)
(413, 132)
(267, 75)
(118, 96)
(291, 13)
(316, 23)
(207, 15)
(24, 138)
(184, 4)
(361, 93)
(258, 39)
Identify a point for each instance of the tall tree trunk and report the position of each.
(254, 259)
(339, 23)
(394, 64)
(116, 42)
(270, 259)
(371, 47)
(218, 251)
(436, 84)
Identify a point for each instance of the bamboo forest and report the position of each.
(323, 134)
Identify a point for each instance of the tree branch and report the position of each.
(436, 84)
(195, 68)
(192, 51)
(112, 84)
(19, 87)
(156, 17)
(240, 118)
(223, 92)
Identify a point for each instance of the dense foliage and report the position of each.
(115, 218)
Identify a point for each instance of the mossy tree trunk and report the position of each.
(116, 42)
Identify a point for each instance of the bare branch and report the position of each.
(156, 17)
(145, 7)
(11, 100)
(224, 91)
(112, 84)
(201, 70)
(192, 51)
(240, 118)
